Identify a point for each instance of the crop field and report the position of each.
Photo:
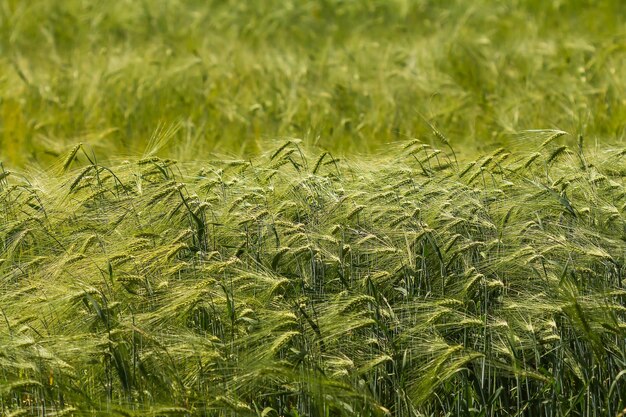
(313, 208)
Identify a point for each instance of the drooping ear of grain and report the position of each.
(67, 162)
(552, 137)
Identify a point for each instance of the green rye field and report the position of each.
(313, 208)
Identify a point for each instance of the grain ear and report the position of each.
(71, 156)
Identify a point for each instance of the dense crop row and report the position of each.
(300, 284)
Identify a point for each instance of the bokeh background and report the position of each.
(349, 76)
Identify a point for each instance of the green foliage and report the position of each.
(346, 75)
(468, 261)
(304, 285)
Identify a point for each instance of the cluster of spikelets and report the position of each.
(294, 285)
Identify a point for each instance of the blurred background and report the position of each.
(349, 76)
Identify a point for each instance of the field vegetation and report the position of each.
(333, 208)
(344, 75)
